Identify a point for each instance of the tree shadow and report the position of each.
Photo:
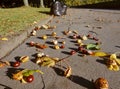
(45, 12)
(82, 82)
(6, 87)
(112, 5)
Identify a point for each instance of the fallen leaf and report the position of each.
(4, 39)
(2, 64)
(113, 62)
(49, 63)
(18, 75)
(100, 54)
(92, 46)
(46, 61)
(113, 66)
(114, 57)
(30, 72)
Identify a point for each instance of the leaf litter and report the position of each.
(113, 62)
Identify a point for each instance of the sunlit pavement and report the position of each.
(103, 24)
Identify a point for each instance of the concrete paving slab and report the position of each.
(105, 23)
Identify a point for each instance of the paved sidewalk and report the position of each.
(15, 41)
(105, 25)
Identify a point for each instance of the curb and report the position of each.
(8, 46)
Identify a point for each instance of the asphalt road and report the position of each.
(105, 25)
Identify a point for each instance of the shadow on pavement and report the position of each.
(113, 5)
(11, 71)
(45, 12)
(82, 81)
(117, 46)
(17, 58)
(65, 52)
(58, 71)
(6, 87)
(76, 79)
(101, 61)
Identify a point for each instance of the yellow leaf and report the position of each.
(100, 54)
(116, 68)
(23, 81)
(48, 63)
(110, 67)
(118, 61)
(4, 39)
(2, 64)
(18, 75)
(113, 56)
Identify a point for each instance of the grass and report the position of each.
(14, 20)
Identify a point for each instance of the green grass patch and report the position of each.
(14, 20)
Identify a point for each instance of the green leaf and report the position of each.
(39, 71)
(31, 72)
(48, 61)
(92, 46)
